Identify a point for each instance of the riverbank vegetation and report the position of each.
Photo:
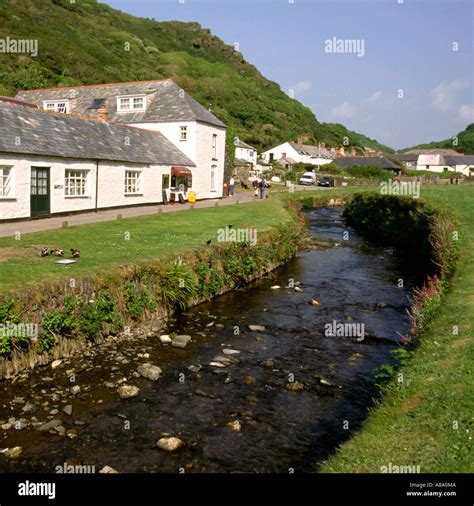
(425, 417)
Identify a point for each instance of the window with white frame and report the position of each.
(131, 103)
(76, 183)
(6, 181)
(133, 182)
(213, 178)
(56, 106)
(214, 146)
(183, 133)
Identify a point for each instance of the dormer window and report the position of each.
(56, 106)
(131, 103)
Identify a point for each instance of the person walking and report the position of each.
(261, 186)
(232, 186)
(255, 187)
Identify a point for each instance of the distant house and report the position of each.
(245, 153)
(300, 153)
(446, 163)
(408, 160)
(461, 163)
(52, 163)
(287, 162)
(152, 105)
(368, 161)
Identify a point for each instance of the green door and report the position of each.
(40, 204)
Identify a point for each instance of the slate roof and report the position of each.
(459, 160)
(375, 161)
(404, 157)
(313, 151)
(66, 136)
(166, 101)
(242, 144)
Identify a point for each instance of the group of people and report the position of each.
(259, 186)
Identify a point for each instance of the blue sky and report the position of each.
(408, 46)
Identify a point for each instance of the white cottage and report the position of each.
(245, 153)
(153, 105)
(300, 153)
(446, 163)
(53, 163)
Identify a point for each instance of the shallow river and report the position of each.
(279, 428)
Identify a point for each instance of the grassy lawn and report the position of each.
(105, 245)
(428, 420)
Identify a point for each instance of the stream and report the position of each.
(284, 402)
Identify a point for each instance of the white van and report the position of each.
(308, 178)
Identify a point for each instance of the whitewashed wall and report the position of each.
(246, 154)
(279, 150)
(198, 148)
(111, 185)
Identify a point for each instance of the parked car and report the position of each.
(307, 178)
(326, 181)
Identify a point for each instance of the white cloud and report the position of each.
(444, 95)
(343, 111)
(302, 86)
(375, 97)
(466, 113)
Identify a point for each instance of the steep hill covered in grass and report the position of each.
(87, 42)
(465, 142)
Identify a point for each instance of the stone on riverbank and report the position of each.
(128, 391)
(257, 328)
(13, 453)
(169, 444)
(150, 371)
(50, 425)
(295, 386)
(56, 363)
(181, 341)
(165, 339)
(108, 470)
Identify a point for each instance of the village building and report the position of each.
(446, 163)
(152, 105)
(53, 163)
(436, 160)
(244, 153)
(300, 153)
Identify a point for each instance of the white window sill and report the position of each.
(8, 198)
(133, 194)
(77, 196)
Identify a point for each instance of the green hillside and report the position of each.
(465, 142)
(86, 42)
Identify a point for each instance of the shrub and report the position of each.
(177, 286)
(369, 171)
(137, 300)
